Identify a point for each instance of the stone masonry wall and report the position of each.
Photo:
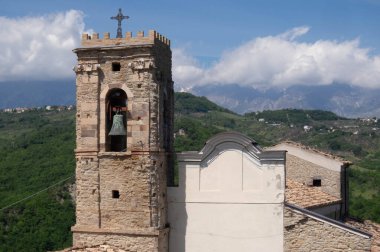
(302, 233)
(130, 243)
(87, 92)
(87, 191)
(130, 177)
(303, 171)
(139, 175)
(138, 179)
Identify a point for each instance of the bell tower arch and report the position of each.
(116, 118)
(124, 141)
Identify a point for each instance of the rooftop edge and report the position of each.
(151, 38)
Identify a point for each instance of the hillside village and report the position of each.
(47, 108)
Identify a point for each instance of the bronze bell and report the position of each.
(118, 128)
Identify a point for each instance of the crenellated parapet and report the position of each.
(140, 38)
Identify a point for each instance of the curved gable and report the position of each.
(231, 188)
(229, 141)
(232, 167)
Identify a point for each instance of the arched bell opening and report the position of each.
(116, 120)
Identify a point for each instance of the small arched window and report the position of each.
(116, 120)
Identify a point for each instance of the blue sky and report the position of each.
(209, 27)
(204, 31)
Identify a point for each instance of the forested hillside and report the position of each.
(36, 152)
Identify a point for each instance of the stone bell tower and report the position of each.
(121, 178)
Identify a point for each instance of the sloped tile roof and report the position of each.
(307, 196)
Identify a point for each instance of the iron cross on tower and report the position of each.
(119, 17)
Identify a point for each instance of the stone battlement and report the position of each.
(153, 37)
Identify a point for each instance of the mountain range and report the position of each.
(342, 99)
(30, 93)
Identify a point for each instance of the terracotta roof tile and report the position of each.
(307, 196)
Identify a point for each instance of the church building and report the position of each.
(232, 195)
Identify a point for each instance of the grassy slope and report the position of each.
(36, 150)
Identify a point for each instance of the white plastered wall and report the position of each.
(228, 202)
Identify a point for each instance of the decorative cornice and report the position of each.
(88, 67)
(231, 140)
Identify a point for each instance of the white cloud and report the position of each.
(39, 47)
(283, 61)
(294, 33)
(186, 68)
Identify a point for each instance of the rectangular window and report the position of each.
(115, 194)
(317, 182)
(115, 66)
